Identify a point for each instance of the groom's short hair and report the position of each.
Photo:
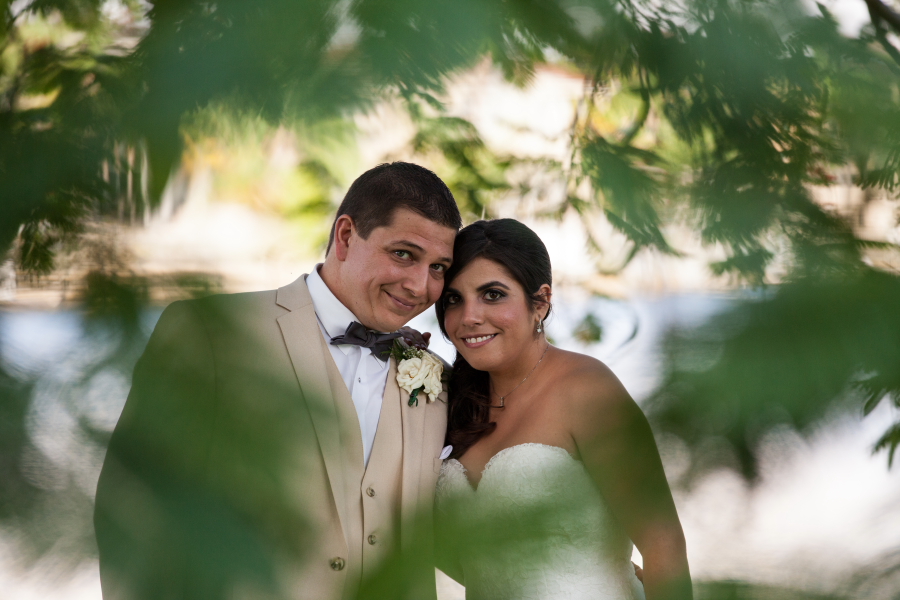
(377, 193)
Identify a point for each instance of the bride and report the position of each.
(553, 470)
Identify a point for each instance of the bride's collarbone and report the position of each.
(537, 410)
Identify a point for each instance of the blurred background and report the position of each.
(716, 181)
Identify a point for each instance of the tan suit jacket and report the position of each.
(236, 469)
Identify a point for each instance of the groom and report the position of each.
(260, 455)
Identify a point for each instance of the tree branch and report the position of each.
(641, 117)
(878, 20)
(884, 12)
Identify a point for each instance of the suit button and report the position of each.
(337, 563)
(370, 492)
(372, 539)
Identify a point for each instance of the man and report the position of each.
(259, 457)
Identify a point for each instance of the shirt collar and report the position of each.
(332, 314)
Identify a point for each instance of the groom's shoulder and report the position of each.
(237, 301)
(247, 303)
(224, 310)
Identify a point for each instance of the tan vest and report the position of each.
(372, 492)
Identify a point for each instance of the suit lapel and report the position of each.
(303, 340)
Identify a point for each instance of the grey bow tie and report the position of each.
(358, 335)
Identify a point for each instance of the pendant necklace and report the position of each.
(502, 398)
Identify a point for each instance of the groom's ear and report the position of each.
(344, 228)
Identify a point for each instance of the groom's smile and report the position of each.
(394, 274)
(409, 305)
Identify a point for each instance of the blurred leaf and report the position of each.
(889, 441)
(469, 168)
(16, 492)
(749, 263)
(589, 331)
(788, 358)
(629, 192)
(110, 295)
(742, 590)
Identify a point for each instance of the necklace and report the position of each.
(502, 398)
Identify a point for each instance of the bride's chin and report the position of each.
(479, 365)
(466, 355)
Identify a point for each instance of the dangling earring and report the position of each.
(540, 327)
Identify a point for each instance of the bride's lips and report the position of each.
(483, 339)
(404, 306)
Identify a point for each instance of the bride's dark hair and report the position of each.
(523, 255)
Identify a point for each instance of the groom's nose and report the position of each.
(416, 282)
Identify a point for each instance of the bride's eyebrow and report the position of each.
(491, 284)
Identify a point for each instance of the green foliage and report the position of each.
(59, 87)
(628, 191)
(784, 359)
(237, 147)
(471, 171)
(110, 295)
(756, 103)
(589, 331)
(16, 493)
(740, 590)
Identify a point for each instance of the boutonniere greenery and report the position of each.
(418, 370)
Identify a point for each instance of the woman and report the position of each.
(553, 469)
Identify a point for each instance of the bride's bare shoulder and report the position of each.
(589, 383)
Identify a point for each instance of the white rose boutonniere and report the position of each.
(418, 371)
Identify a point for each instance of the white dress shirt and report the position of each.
(364, 373)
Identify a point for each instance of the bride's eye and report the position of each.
(451, 299)
(493, 295)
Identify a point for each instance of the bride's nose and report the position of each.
(472, 314)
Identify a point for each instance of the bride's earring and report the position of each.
(540, 327)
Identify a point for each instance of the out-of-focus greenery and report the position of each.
(293, 172)
(751, 102)
(62, 70)
(739, 590)
(785, 359)
(589, 330)
(715, 113)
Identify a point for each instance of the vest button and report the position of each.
(370, 492)
(372, 539)
(337, 563)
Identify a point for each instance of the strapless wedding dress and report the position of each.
(536, 528)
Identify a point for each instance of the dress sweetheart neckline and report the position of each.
(503, 451)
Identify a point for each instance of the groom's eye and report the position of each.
(404, 254)
(439, 267)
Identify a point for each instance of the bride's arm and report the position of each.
(618, 449)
